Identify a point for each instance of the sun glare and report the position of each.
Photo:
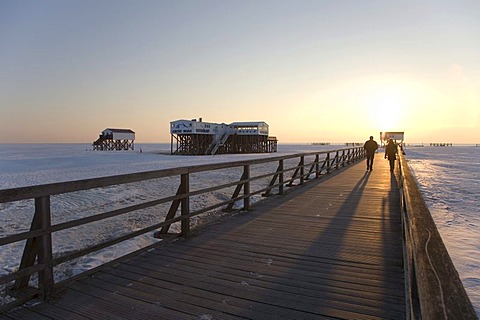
(387, 106)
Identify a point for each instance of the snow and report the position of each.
(449, 178)
(32, 164)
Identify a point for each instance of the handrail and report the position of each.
(434, 288)
(38, 258)
(15, 194)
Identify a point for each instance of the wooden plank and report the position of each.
(97, 307)
(198, 302)
(24, 314)
(266, 278)
(118, 291)
(265, 307)
(302, 267)
(52, 311)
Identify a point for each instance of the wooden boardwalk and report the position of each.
(329, 250)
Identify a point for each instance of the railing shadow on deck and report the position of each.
(337, 298)
(40, 259)
(434, 288)
(327, 248)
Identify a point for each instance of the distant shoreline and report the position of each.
(409, 144)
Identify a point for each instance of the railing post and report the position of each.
(327, 161)
(246, 187)
(45, 276)
(336, 160)
(317, 165)
(280, 177)
(185, 209)
(302, 169)
(343, 158)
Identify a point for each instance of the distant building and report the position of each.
(115, 139)
(396, 136)
(192, 137)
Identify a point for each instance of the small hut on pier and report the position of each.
(115, 139)
(396, 136)
(192, 137)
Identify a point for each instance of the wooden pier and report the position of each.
(332, 248)
(329, 250)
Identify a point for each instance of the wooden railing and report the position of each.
(434, 289)
(38, 256)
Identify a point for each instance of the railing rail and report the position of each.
(38, 258)
(434, 289)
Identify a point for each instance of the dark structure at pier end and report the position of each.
(115, 139)
(192, 137)
(398, 137)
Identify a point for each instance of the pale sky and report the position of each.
(315, 71)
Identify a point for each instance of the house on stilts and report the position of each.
(115, 139)
(397, 136)
(192, 137)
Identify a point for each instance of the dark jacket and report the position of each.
(391, 151)
(370, 146)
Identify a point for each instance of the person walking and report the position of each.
(370, 147)
(391, 153)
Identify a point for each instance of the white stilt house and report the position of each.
(396, 136)
(115, 139)
(194, 137)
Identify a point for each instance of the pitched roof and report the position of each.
(120, 130)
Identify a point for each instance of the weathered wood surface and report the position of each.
(329, 250)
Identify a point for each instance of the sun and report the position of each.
(387, 106)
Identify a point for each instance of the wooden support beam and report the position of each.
(185, 210)
(327, 161)
(295, 173)
(236, 193)
(171, 214)
(29, 254)
(45, 277)
(280, 177)
(39, 247)
(272, 182)
(246, 187)
(302, 169)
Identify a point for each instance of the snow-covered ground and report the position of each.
(449, 178)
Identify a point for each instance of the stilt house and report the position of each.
(396, 136)
(192, 137)
(115, 139)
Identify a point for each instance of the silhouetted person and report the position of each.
(391, 153)
(370, 147)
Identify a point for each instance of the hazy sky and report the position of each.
(315, 71)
